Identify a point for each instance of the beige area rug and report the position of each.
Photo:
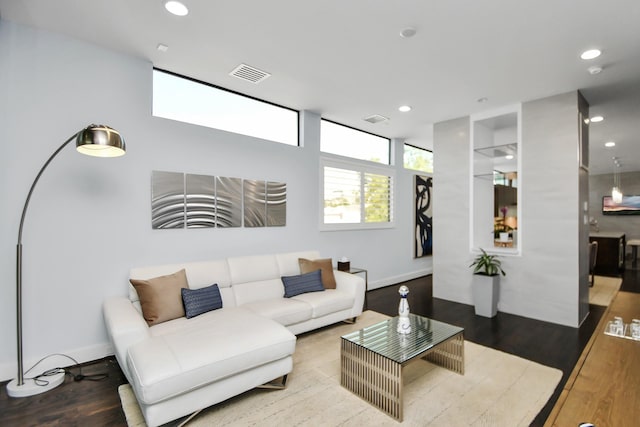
(497, 389)
(603, 290)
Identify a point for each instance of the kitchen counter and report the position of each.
(611, 252)
(607, 234)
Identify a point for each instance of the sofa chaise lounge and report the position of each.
(182, 365)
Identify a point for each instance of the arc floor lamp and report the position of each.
(94, 140)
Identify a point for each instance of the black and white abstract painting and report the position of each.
(423, 216)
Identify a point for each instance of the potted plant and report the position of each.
(486, 282)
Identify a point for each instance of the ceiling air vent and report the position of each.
(249, 74)
(376, 118)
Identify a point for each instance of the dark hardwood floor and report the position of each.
(96, 403)
(74, 403)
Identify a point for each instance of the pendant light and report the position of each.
(616, 191)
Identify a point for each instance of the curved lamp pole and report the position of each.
(94, 140)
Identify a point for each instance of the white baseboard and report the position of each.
(8, 370)
(387, 281)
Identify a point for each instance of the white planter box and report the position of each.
(485, 294)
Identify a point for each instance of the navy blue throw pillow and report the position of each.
(303, 283)
(199, 301)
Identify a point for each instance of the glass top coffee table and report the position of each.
(372, 358)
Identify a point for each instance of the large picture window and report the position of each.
(357, 187)
(356, 196)
(190, 101)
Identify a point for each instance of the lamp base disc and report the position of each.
(30, 388)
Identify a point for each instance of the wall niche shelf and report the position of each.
(497, 175)
(499, 151)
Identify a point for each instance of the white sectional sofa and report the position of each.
(182, 365)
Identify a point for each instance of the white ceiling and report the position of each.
(345, 59)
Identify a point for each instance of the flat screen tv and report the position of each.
(630, 205)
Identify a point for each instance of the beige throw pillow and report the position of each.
(160, 297)
(326, 267)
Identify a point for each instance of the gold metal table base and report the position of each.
(378, 379)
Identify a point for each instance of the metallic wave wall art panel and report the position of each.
(167, 200)
(276, 204)
(200, 199)
(228, 202)
(181, 200)
(255, 205)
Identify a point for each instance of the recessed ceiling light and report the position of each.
(509, 156)
(162, 47)
(610, 144)
(596, 119)
(176, 8)
(593, 70)
(590, 54)
(404, 108)
(408, 32)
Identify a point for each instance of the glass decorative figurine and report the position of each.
(404, 323)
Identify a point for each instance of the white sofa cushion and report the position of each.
(255, 278)
(215, 345)
(255, 268)
(326, 302)
(285, 311)
(247, 293)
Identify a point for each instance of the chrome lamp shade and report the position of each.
(94, 140)
(100, 141)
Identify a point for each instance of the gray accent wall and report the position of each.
(548, 280)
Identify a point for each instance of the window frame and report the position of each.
(214, 86)
(361, 166)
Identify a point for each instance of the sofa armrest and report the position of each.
(353, 284)
(125, 326)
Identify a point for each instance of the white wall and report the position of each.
(544, 281)
(89, 220)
